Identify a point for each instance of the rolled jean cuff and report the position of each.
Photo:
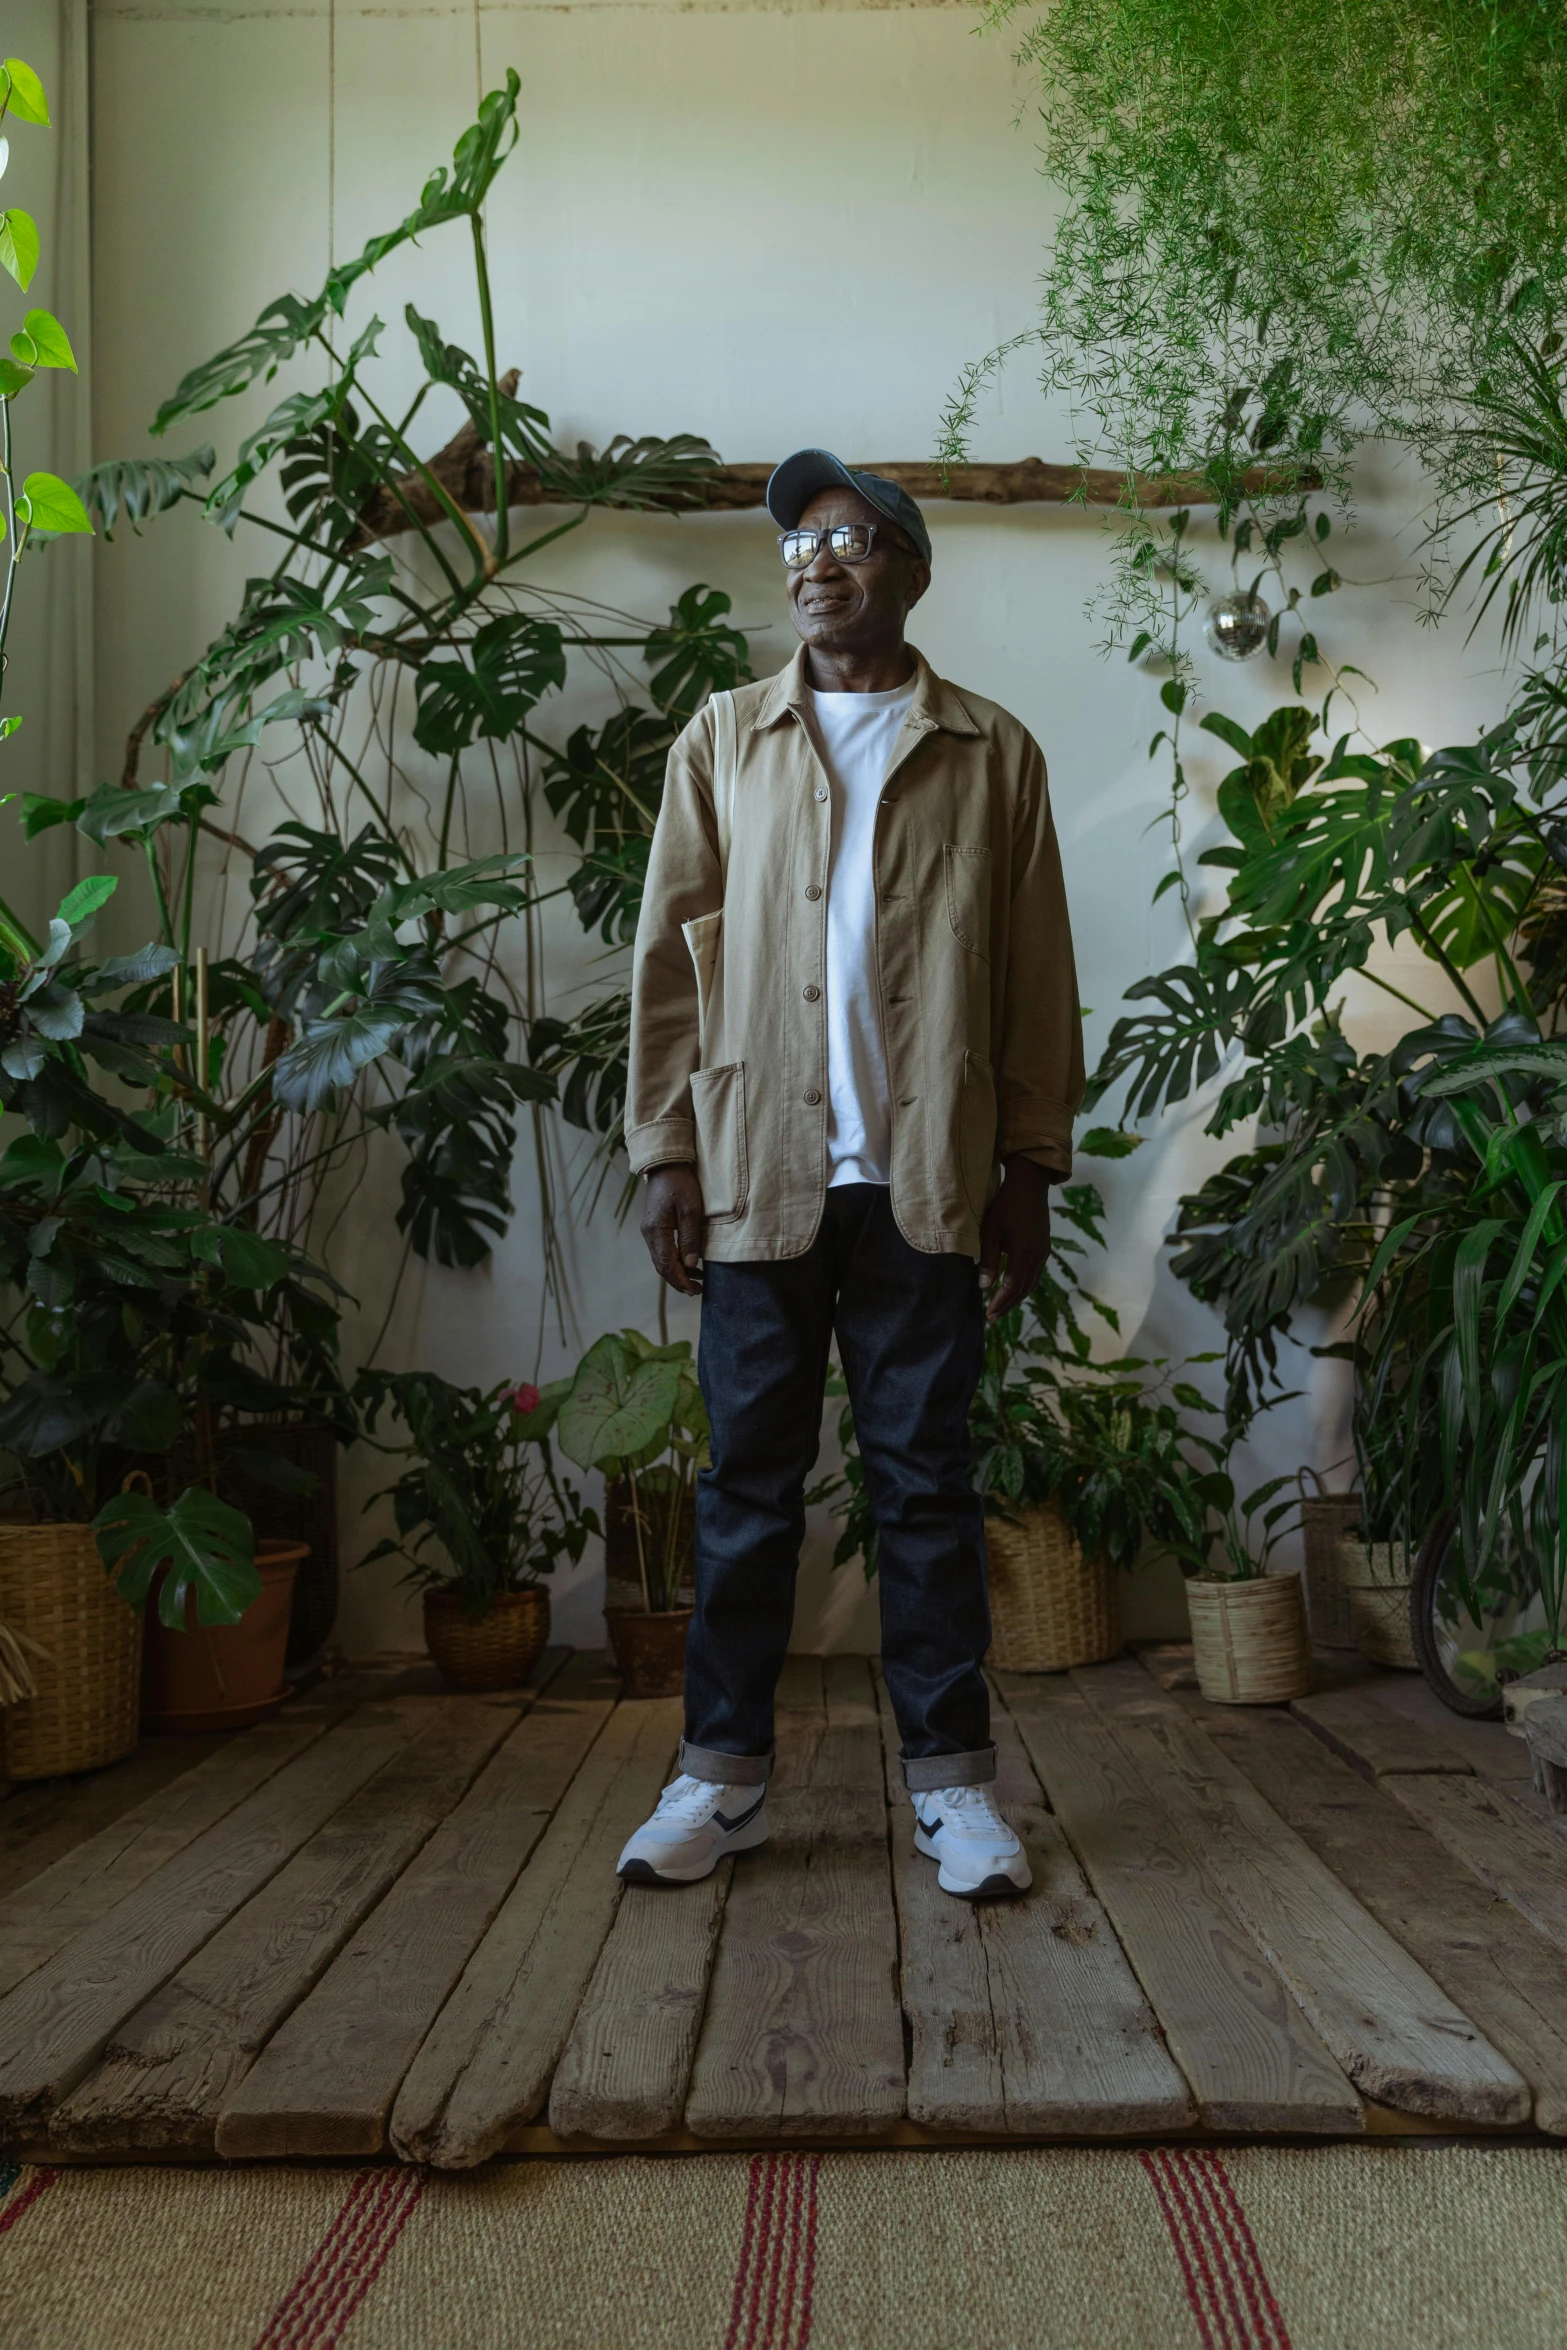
(927, 1771)
(727, 1770)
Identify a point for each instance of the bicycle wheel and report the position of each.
(1470, 1628)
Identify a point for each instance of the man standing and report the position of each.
(853, 1001)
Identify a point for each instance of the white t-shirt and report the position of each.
(855, 734)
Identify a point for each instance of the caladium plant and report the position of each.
(633, 1409)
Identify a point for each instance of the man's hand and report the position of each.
(672, 1227)
(1017, 1228)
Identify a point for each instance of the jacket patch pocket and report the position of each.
(968, 897)
(722, 1166)
(977, 1132)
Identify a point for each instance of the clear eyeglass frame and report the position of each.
(847, 542)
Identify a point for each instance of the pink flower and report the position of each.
(525, 1399)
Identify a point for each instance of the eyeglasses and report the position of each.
(848, 542)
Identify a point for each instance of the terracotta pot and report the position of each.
(649, 1650)
(499, 1651)
(221, 1676)
(1249, 1640)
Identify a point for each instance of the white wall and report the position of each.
(771, 226)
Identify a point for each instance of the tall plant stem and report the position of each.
(636, 1521)
(14, 554)
(155, 873)
(497, 450)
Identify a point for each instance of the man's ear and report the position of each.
(919, 581)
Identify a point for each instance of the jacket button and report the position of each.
(811, 994)
(813, 891)
(821, 791)
(812, 1097)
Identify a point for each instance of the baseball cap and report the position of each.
(797, 480)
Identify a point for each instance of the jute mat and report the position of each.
(1334, 2248)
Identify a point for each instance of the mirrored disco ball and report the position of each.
(1237, 626)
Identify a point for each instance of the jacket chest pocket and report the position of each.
(968, 898)
(722, 1162)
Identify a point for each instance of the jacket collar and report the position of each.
(937, 706)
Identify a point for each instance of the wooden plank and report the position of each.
(1396, 2034)
(42, 1819)
(487, 2062)
(1485, 1746)
(325, 2082)
(53, 2026)
(1519, 1858)
(624, 2070)
(1372, 1739)
(803, 2034)
(1253, 2061)
(87, 1881)
(1486, 1958)
(167, 2071)
(1025, 2019)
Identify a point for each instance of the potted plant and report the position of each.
(634, 1410)
(127, 1359)
(482, 1518)
(1249, 1640)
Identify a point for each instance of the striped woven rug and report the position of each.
(1335, 2248)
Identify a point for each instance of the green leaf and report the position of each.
(206, 1547)
(19, 245)
(48, 343)
(25, 94)
(80, 904)
(140, 487)
(1227, 731)
(1108, 1142)
(1173, 695)
(246, 1259)
(617, 1405)
(15, 375)
(51, 504)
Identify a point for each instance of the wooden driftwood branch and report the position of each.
(465, 471)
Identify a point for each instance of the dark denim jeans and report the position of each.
(911, 1340)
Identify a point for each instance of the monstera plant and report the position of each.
(393, 657)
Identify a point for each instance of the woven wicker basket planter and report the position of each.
(1325, 1518)
(1049, 1606)
(54, 1591)
(1249, 1640)
(1376, 1577)
(499, 1651)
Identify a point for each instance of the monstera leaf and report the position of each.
(208, 1549)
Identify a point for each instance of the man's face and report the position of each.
(849, 607)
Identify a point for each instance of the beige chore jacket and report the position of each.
(973, 952)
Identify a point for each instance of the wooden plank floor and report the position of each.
(387, 1924)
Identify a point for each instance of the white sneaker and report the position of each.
(961, 1828)
(695, 1824)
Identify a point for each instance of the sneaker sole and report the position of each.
(642, 1872)
(993, 1889)
(998, 1887)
